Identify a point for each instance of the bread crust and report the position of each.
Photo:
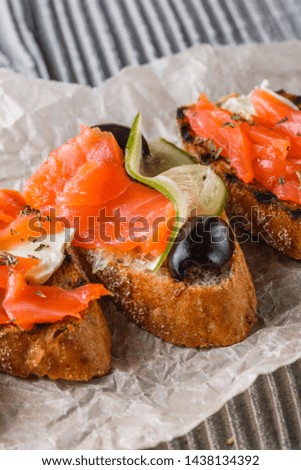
(220, 313)
(71, 349)
(261, 213)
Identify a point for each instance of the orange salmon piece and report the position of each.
(232, 139)
(91, 184)
(27, 305)
(280, 116)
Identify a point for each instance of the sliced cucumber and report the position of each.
(163, 156)
(192, 188)
(203, 191)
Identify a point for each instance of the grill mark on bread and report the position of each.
(297, 100)
(231, 177)
(266, 197)
(180, 113)
(186, 133)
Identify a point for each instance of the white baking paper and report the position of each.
(156, 391)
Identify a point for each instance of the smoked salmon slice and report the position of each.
(268, 142)
(4, 320)
(217, 125)
(20, 264)
(11, 203)
(22, 304)
(267, 148)
(86, 182)
(280, 116)
(27, 305)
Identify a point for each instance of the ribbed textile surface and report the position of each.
(87, 41)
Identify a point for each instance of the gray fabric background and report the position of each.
(87, 41)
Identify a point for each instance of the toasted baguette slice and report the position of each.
(71, 349)
(276, 222)
(212, 310)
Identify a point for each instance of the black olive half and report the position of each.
(205, 242)
(121, 134)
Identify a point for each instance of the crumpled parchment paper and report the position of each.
(156, 391)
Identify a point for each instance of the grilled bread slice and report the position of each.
(212, 309)
(276, 222)
(71, 349)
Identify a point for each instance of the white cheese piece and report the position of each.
(243, 104)
(50, 250)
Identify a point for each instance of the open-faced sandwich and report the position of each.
(149, 224)
(253, 143)
(50, 322)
